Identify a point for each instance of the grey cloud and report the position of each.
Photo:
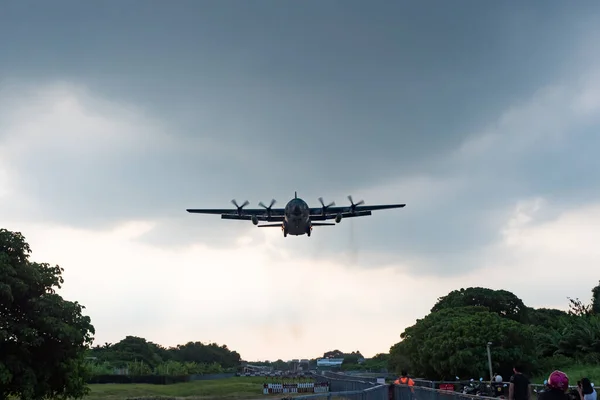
(257, 109)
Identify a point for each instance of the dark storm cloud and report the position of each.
(326, 98)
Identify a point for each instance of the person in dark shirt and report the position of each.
(558, 384)
(519, 387)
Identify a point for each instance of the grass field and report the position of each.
(575, 373)
(230, 388)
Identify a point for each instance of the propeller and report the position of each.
(239, 208)
(267, 208)
(325, 207)
(352, 205)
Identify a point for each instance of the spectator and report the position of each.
(585, 389)
(557, 386)
(519, 387)
(404, 380)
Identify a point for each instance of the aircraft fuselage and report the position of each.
(297, 218)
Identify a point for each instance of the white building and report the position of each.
(329, 362)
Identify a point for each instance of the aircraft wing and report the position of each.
(349, 211)
(241, 213)
(233, 211)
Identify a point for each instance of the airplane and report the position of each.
(297, 217)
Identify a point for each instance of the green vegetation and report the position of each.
(451, 340)
(575, 372)
(136, 356)
(43, 338)
(230, 388)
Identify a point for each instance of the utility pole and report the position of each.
(490, 359)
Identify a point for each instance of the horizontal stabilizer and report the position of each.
(269, 226)
(322, 223)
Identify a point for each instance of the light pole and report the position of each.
(490, 359)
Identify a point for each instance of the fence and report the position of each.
(359, 388)
(367, 388)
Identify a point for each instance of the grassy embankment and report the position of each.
(575, 373)
(229, 388)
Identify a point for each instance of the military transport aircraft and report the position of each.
(297, 217)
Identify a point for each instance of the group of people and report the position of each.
(557, 386)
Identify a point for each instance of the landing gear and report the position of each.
(284, 229)
(308, 230)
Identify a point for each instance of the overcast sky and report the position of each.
(482, 117)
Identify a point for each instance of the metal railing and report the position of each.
(354, 386)
(348, 387)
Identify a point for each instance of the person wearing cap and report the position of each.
(557, 387)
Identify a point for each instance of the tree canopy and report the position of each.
(502, 302)
(43, 337)
(451, 341)
(139, 356)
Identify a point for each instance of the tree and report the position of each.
(398, 359)
(43, 338)
(452, 342)
(547, 318)
(577, 308)
(596, 299)
(502, 302)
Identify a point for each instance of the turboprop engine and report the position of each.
(254, 220)
(338, 218)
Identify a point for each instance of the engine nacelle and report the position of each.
(254, 220)
(338, 218)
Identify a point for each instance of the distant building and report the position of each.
(304, 364)
(294, 364)
(329, 363)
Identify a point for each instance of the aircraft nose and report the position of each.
(297, 210)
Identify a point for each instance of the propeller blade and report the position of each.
(238, 206)
(326, 206)
(270, 205)
(353, 205)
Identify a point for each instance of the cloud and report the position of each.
(558, 254)
(171, 296)
(77, 158)
(292, 308)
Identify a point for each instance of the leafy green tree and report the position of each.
(452, 342)
(399, 359)
(548, 318)
(138, 368)
(596, 299)
(43, 338)
(501, 302)
(577, 308)
(379, 363)
(333, 354)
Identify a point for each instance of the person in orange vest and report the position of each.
(404, 380)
